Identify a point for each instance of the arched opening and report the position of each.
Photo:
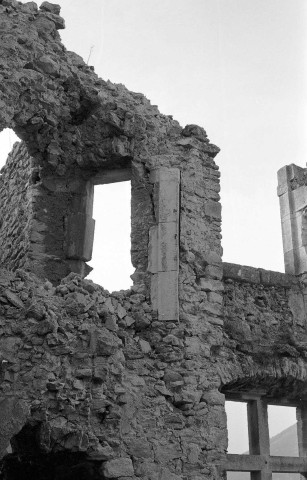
(7, 139)
(28, 460)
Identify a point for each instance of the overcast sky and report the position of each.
(235, 67)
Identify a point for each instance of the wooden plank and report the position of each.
(301, 415)
(258, 428)
(288, 464)
(245, 463)
(265, 463)
(112, 176)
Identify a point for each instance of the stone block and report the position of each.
(282, 176)
(164, 295)
(166, 182)
(267, 277)
(241, 273)
(299, 261)
(299, 198)
(163, 247)
(297, 307)
(214, 271)
(289, 260)
(209, 285)
(118, 467)
(213, 209)
(51, 7)
(289, 229)
(80, 236)
(13, 415)
(284, 204)
(215, 297)
(106, 342)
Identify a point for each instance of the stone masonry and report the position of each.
(128, 385)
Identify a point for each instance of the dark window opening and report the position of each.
(28, 461)
(111, 259)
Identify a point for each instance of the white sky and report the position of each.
(235, 67)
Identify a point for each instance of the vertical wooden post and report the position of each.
(301, 416)
(258, 433)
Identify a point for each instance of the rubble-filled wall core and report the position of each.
(132, 384)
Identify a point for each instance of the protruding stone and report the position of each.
(51, 7)
(118, 467)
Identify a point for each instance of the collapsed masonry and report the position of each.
(129, 385)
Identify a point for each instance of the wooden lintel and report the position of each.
(112, 176)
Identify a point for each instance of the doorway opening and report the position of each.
(7, 139)
(111, 259)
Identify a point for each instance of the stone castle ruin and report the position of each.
(131, 385)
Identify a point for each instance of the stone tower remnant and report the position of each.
(128, 385)
(292, 192)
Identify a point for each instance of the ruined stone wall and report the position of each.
(16, 208)
(34, 218)
(265, 317)
(98, 377)
(128, 385)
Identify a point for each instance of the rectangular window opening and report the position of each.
(238, 476)
(237, 427)
(283, 432)
(111, 259)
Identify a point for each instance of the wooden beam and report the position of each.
(258, 428)
(301, 415)
(244, 463)
(112, 176)
(288, 464)
(254, 463)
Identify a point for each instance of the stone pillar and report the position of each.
(65, 206)
(292, 194)
(163, 258)
(80, 227)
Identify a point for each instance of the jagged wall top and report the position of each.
(68, 117)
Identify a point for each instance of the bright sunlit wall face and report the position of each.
(111, 259)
